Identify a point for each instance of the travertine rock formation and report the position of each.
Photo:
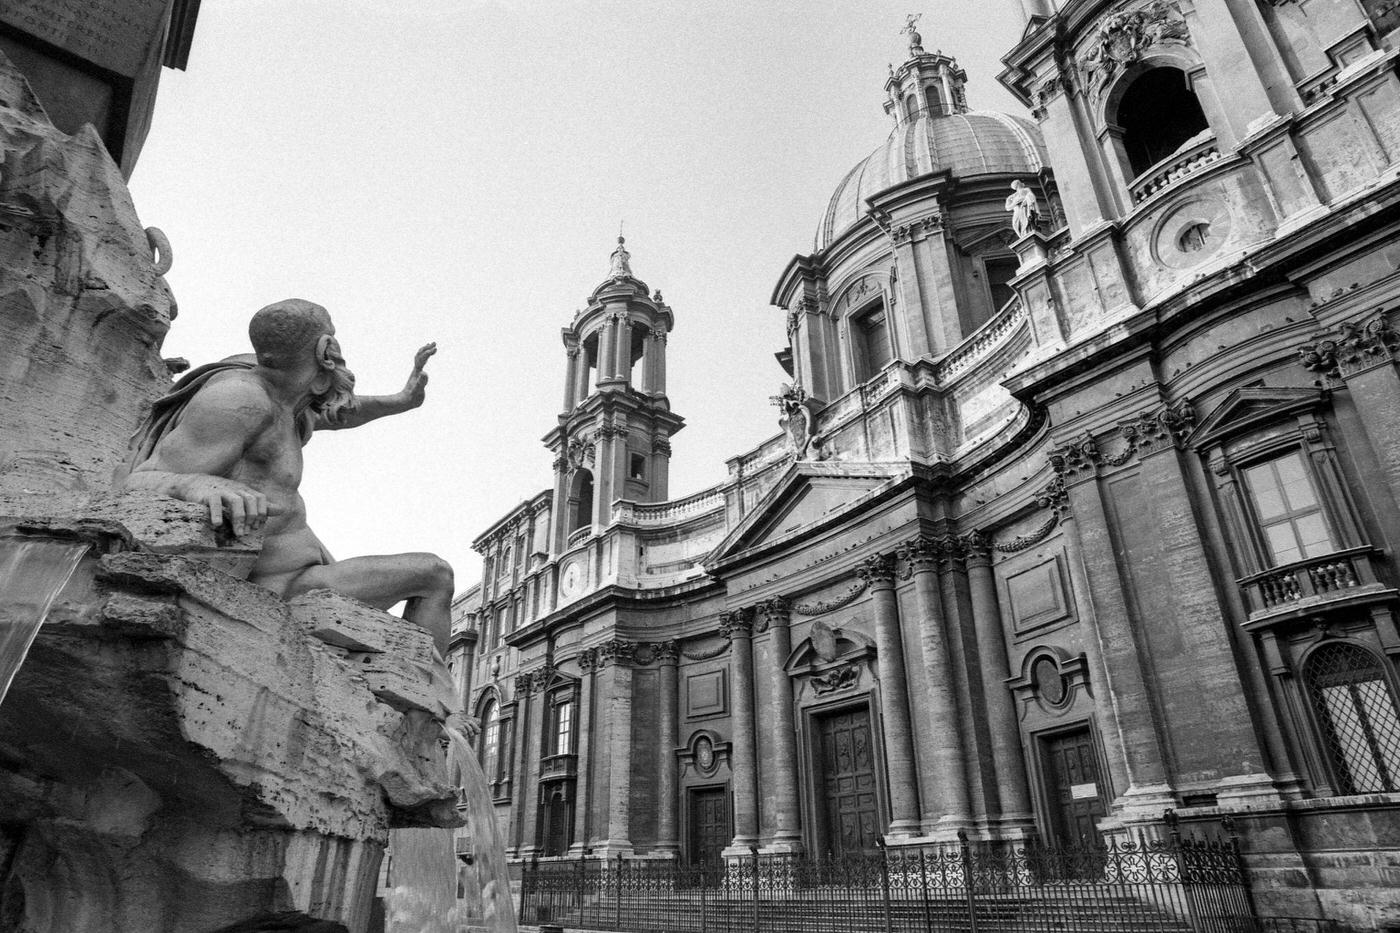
(82, 310)
(181, 751)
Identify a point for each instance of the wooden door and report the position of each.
(1073, 788)
(846, 781)
(708, 826)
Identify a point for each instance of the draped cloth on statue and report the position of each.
(166, 411)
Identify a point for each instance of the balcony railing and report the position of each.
(1330, 576)
(558, 766)
(1174, 168)
(580, 535)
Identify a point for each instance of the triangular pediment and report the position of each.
(807, 496)
(1247, 408)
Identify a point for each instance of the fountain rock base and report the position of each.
(182, 751)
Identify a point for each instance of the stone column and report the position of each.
(1129, 706)
(571, 378)
(878, 573)
(781, 776)
(607, 345)
(617, 656)
(737, 626)
(668, 781)
(583, 784)
(658, 386)
(659, 481)
(1001, 708)
(604, 440)
(622, 359)
(648, 363)
(581, 376)
(949, 776)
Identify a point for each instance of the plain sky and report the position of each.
(456, 171)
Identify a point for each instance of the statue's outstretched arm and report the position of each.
(369, 407)
(193, 461)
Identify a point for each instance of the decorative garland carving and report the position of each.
(1021, 542)
(705, 654)
(829, 605)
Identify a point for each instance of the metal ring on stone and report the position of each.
(160, 249)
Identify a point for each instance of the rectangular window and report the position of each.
(871, 334)
(1287, 509)
(638, 468)
(563, 728)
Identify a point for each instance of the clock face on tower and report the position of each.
(572, 582)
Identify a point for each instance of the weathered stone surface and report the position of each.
(82, 309)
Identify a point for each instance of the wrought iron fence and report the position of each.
(1172, 885)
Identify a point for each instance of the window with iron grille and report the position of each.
(1356, 710)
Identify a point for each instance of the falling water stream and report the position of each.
(32, 573)
(425, 874)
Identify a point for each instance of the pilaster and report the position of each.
(583, 786)
(616, 656)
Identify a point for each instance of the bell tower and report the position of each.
(613, 439)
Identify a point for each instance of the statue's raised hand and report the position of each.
(415, 389)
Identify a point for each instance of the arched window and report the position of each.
(489, 751)
(933, 100)
(1356, 711)
(581, 501)
(1158, 113)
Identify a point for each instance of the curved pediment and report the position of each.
(827, 646)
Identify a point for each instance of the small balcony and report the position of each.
(558, 767)
(1194, 155)
(1306, 585)
(578, 536)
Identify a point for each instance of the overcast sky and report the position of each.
(456, 171)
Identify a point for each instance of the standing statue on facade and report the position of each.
(1025, 211)
(229, 437)
(796, 419)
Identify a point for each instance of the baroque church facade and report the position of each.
(1084, 507)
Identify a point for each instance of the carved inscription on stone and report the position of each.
(112, 33)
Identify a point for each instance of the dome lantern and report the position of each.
(929, 84)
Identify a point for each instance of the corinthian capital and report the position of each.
(877, 570)
(736, 623)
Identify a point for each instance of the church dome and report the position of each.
(966, 144)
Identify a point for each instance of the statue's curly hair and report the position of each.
(286, 329)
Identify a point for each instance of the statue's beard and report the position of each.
(339, 398)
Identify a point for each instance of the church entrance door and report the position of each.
(1073, 788)
(709, 826)
(849, 809)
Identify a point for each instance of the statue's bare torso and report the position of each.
(236, 448)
